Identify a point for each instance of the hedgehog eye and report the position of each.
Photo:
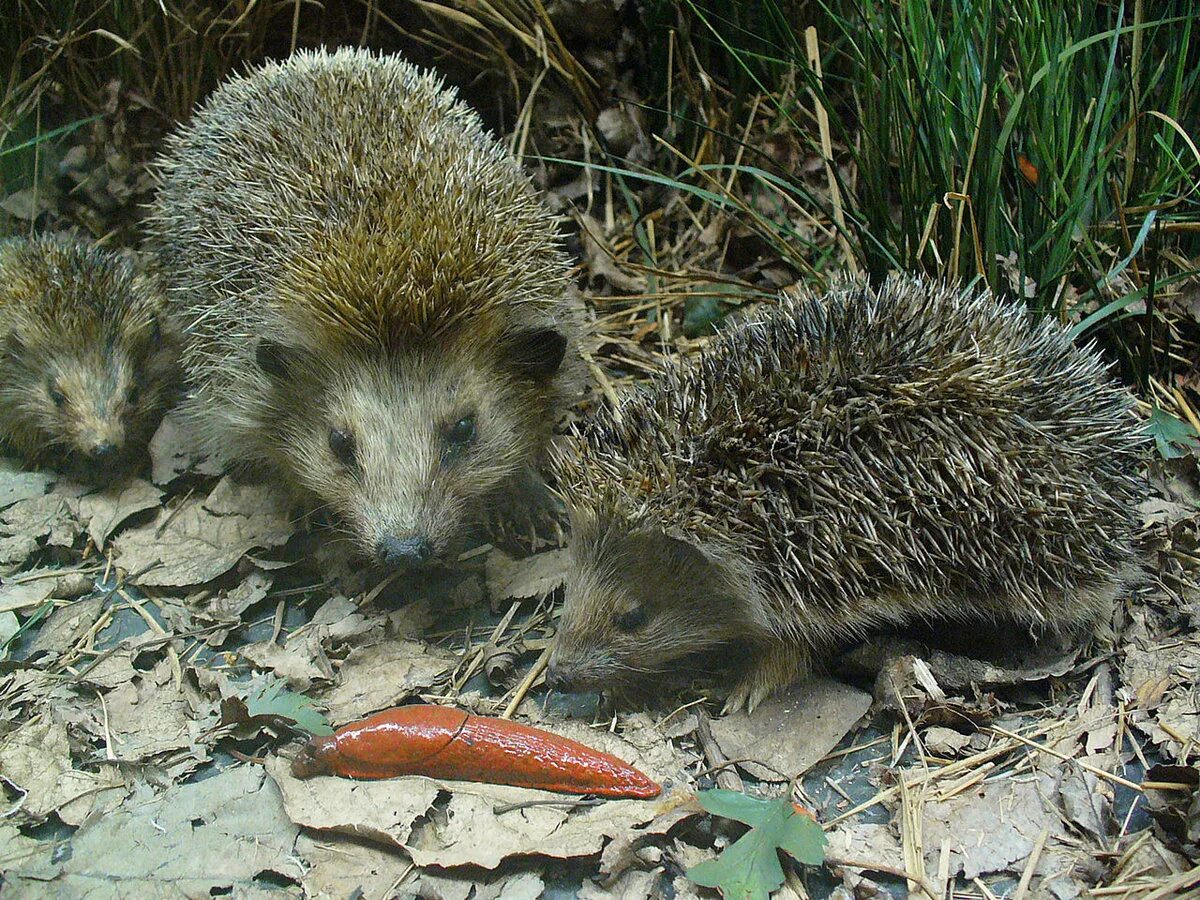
(633, 619)
(342, 445)
(56, 396)
(461, 432)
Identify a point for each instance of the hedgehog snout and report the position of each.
(101, 441)
(556, 679)
(572, 671)
(411, 552)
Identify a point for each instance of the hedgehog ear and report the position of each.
(683, 555)
(274, 358)
(536, 352)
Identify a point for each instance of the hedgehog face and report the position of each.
(95, 409)
(406, 451)
(636, 602)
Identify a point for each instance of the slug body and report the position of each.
(377, 303)
(440, 742)
(88, 357)
(843, 463)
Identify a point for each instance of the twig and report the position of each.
(727, 778)
(526, 683)
(526, 804)
(1099, 773)
(1174, 887)
(983, 889)
(369, 597)
(919, 880)
(1030, 864)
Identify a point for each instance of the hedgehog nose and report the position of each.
(555, 680)
(104, 453)
(406, 553)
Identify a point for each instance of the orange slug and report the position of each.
(441, 742)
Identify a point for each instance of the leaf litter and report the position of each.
(180, 645)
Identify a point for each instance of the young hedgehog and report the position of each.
(841, 463)
(88, 360)
(378, 302)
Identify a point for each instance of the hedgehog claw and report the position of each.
(734, 702)
(773, 669)
(747, 694)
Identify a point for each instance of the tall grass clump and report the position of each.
(1031, 144)
(167, 53)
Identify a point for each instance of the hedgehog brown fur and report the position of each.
(88, 359)
(378, 303)
(839, 463)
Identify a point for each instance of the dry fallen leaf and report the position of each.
(379, 676)
(16, 484)
(149, 716)
(24, 524)
(66, 625)
(991, 827)
(198, 540)
(434, 884)
(36, 760)
(173, 452)
(518, 579)
(299, 662)
(338, 866)
(382, 811)
(828, 709)
(28, 591)
(103, 513)
(195, 840)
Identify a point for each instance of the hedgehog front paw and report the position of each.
(771, 670)
(746, 694)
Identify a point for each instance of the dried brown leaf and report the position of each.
(993, 827)
(149, 716)
(36, 760)
(16, 484)
(194, 840)
(103, 513)
(341, 866)
(381, 675)
(828, 709)
(199, 540)
(299, 662)
(534, 576)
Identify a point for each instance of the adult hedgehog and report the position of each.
(88, 357)
(377, 300)
(864, 459)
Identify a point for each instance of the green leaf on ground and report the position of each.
(702, 315)
(749, 869)
(1174, 437)
(271, 699)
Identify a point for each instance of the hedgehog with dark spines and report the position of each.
(88, 357)
(864, 459)
(378, 305)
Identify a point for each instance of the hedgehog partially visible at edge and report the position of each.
(89, 358)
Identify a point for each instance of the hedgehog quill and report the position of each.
(377, 303)
(89, 358)
(841, 463)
